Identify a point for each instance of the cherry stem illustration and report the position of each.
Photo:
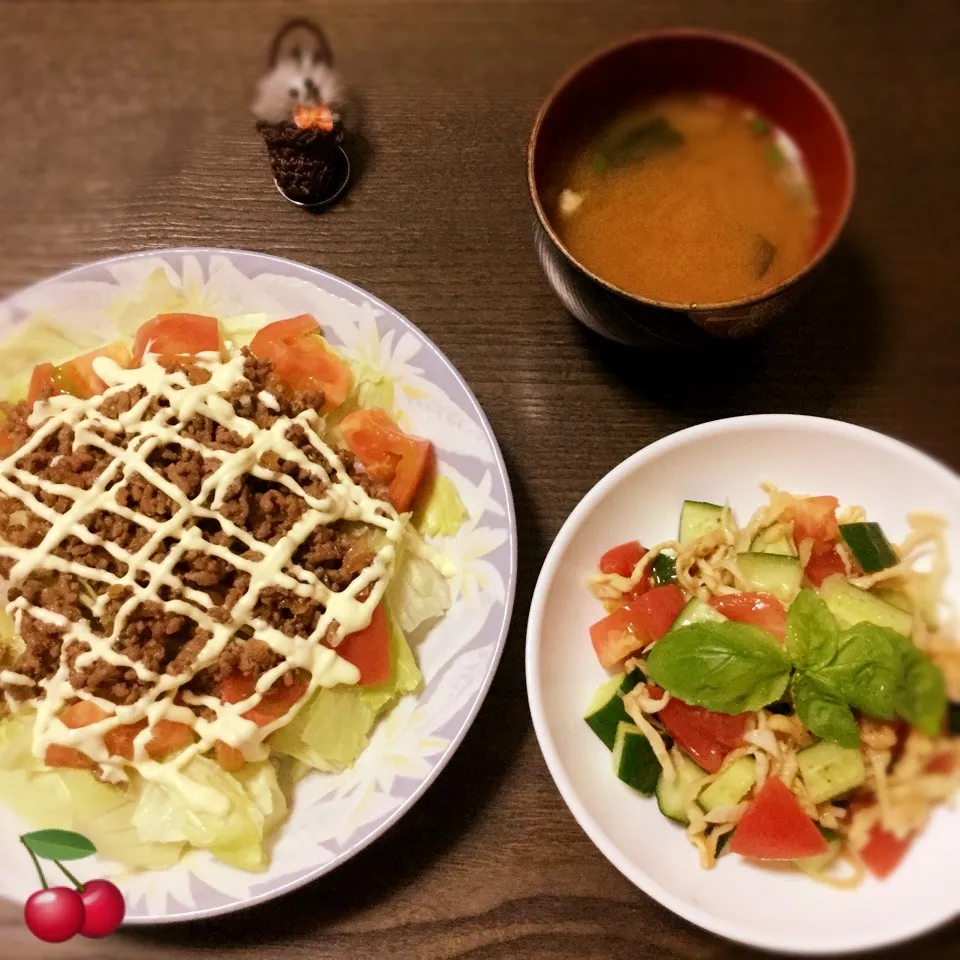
(36, 863)
(70, 876)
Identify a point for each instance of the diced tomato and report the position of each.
(77, 376)
(230, 758)
(774, 827)
(706, 736)
(60, 756)
(167, 735)
(823, 565)
(42, 381)
(171, 335)
(622, 560)
(301, 358)
(815, 518)
(273, 704)
(943, 763)
(389, 455)
(761, 610)
(884, 852)
(369, 650)
(636, 624)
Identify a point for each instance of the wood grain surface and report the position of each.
(126, 126)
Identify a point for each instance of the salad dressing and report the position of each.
(178, 400)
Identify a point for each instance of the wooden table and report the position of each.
(126, 126)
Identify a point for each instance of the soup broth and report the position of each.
(688, 199)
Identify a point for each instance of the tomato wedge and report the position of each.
(823, 565)
(815, 518)
(273, 704)
(943, 763)
(706, 736)
(60, 756)
(301, 358)
(230, 758)
(622, 560)
(389, 455)
(77, 376)
(774, 827)
(884, 852)
(170, 335)
(369, 649)
(761, 610)
(166, 736)
(636, 624)
(42, 381)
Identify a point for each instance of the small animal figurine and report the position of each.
(298, 106)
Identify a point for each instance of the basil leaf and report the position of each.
(823, 713)
(812, 631)
(922, 699)
(865, 669)
(58, 845)
(726, 667)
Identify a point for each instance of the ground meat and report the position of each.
(164, 640)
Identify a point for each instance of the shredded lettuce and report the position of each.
(242, 328)
(331, 731)
(440, 512)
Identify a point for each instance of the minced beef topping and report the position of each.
(155, 635)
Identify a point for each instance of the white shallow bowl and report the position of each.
(641, 498)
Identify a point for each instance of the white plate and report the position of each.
(334, 816)
(727, 460)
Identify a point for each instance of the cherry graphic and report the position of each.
(54, 914)
(104, 908)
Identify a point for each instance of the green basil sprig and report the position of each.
(733, 668)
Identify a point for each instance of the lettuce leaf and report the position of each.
(440, 512)
(418, 592)
(73, 800)
(174, 810)
(331, 731)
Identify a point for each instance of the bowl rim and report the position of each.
(534, 641)
(734, 40)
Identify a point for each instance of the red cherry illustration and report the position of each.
(55, 914)
(104, 908)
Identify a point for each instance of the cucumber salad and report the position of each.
(788, 689)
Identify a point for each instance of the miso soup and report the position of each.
(688, 199)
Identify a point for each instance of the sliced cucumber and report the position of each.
(895, 597)
(772, 573)
(850, 605)
(868, 543)
(697, 519)
(781, 544)
(663, 569)
(671, 796)
(696, 611)
(814, 866)
(731, 786)
(634, 761)
(606, 710)
(829, 770)
(953, 719)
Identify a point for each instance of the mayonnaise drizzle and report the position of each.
(342, 499)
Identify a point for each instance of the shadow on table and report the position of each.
(829, 341)
(435, 824)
